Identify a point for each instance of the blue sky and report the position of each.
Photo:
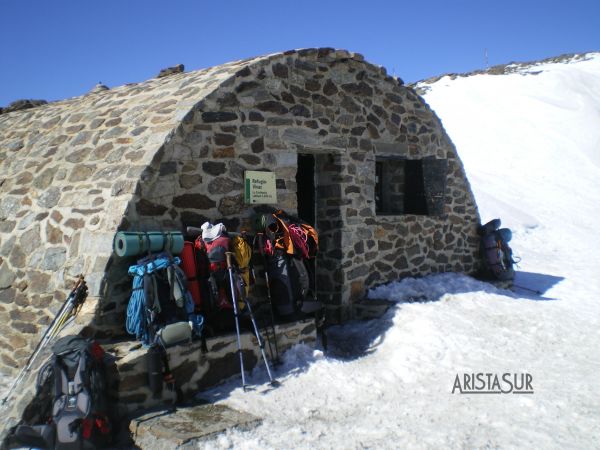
(54, 49)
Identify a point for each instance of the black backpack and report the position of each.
(497, 255)
(289, 282)
(289, 245)
(73, 385)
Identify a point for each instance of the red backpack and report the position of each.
(212, 265)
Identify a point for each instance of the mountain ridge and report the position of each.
(422, 86)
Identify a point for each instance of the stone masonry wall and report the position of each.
(346, 113)
(196, 371)
(67, 173)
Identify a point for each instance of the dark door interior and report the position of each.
(307, 207)
(305, 188)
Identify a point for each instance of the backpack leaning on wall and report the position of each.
(497, 255)
(289, 243)
(161, 308)
(211, 248)
(73, 383)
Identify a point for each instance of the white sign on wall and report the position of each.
(260, 187)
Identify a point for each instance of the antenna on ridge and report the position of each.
(485, 58)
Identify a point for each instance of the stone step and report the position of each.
(195, 371)
(186, 427)
(370, 309)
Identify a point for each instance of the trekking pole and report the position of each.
(68, 314)
(261, 250)
(274, 359)
(228, 256)
(74, 300)
(261, 343)
(265, 326)
(535, 291)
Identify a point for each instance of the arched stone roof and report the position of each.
(73, 172)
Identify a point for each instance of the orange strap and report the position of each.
(284, 242)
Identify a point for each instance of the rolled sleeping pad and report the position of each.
(175, 333)
(136, 243)
(188, 264)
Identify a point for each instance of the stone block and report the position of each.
(286, 159)
(301, 136)
(193, 201)
(226, 152)
(214, 168)
(147, 208)
(96, 243)
(38, 282)
(186, 427)
(190, 181)
(49, 198)
(232, 205)
(54, 258)
(223, 185)
(7, 276)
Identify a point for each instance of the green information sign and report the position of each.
(260, 187)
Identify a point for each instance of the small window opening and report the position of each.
(410, 186)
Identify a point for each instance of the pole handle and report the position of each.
(228, 256)
(79, 281)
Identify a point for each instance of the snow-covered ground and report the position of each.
(531, 148)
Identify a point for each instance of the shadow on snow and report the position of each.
(534, 285)
(358, 338)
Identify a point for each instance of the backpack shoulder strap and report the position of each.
(79, 382)
(44, 374)
(283, 240)
(61, 379)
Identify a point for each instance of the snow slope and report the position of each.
(531, 148)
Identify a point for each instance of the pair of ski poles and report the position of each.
(232, 284)
(260, 237)
(69, 309)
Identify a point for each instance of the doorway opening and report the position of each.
(305, 188)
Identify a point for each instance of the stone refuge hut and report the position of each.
(354, 151)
